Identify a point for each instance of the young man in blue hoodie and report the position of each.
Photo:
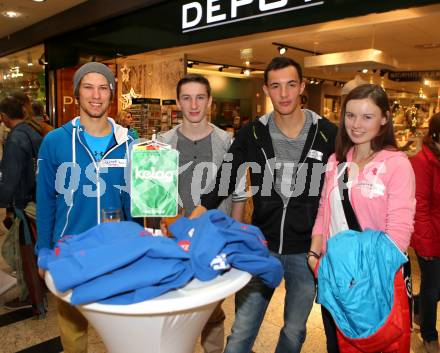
(81, 171)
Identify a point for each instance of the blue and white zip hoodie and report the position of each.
(73, 188)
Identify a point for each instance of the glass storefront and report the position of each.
(24, 71)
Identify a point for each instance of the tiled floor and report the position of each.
(29, 332)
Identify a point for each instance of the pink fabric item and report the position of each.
(382, 196)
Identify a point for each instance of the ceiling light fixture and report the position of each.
(41, 60)
(244, 70)
(319, 81)
(39, 0)
(191, 63)
(365, 71)
(282, 48)
(351, 60)
(11, 14)
(427, 45)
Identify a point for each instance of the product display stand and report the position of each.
(169, 323)
(168, 107)
(146, 114)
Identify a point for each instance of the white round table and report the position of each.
(169, 323)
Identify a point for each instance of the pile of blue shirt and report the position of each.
(121, 263)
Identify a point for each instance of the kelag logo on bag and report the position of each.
(154, 182)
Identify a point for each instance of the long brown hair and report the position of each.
(384, 139)
(433, 135)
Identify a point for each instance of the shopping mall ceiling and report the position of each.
(410, 37)
(24, 13)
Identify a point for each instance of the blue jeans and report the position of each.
(252, 301)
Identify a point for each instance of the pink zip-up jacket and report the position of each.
(382, 195)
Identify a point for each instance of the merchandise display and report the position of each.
(112, 262)
(169, 110)
(137, 112)
(146, 114)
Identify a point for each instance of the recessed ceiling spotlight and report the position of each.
(39, 0)
(282, 50)
(364, 71)
(11, 14)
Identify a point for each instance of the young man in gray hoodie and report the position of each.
(202, 147)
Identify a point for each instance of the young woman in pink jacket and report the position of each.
(380, 183)
(426, 237)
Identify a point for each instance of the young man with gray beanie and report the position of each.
(81, 171)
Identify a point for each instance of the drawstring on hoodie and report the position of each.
(71, 191)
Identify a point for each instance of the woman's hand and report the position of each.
(313, 259)
(312, 262)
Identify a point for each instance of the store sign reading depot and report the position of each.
(197, 15)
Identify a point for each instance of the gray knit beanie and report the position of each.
(93, 67)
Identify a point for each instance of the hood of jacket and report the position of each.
(264, 119)
(430, 156)
(381, 156)
(120, 132)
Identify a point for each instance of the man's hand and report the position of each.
(41, 272)
(198, 211)
(165, 223)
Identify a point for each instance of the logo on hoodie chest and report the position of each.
(371, 183)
